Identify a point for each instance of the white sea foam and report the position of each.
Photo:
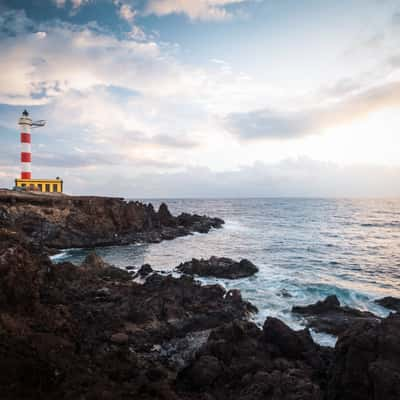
(59, 256)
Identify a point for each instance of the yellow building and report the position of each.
(40, 185)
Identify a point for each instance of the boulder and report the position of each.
(330, 317)
(93, 262)
(119, 338)
(204, 371)
(219, 267)
(144, 271)
(288, 343)
(392, 303)
(367, 362)
(165, 216)
(199, 223)
(284, 293)
(331, 303)
(240, 362)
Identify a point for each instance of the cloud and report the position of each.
(78, 3)
(126, 12)
(194, 9)
(272, 124)
(342, 88)
(38, 67)
(124, 123)
(301, 177)
(76, 158)
(395, 61)
(60, 3)
(74, 3)
(173, 141)
(85, 159)
(396, 18)
(14, 22)
(124, 107)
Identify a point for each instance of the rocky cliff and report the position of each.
(61, 221)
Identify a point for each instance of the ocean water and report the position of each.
(305, 249)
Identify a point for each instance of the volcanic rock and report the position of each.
(19, 279)
(219, 267)
(81, 333)
(198, 222)
(330, 317)
(59, 221)
(288, 343)
(93, 262)
(284, 293)
(144, 271)
(165, 216)
(74, 332)
(367, 362)
(120, 338)
(392, 303)
(241, 362)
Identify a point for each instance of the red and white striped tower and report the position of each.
(26, 156)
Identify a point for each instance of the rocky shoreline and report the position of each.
(57, 221)
(330, 317)
(93, 332)
(96, 332)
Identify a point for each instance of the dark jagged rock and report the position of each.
(331, 303)
(19, 279)
(78, 332)
(284, 293)
(144, 271)
(54, 221)
(197, 222)
(367, 362)
(93, 262)
(392, 303)
(330, 317)
(288, 343)
(241, 362)
(84, 333)
(165, 216)
(219, 267)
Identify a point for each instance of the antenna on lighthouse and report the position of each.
(38, 124)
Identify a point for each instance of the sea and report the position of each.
(305, 249)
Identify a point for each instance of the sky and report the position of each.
(204, 98)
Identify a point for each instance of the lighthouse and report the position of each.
(26, 154)
(26, 182)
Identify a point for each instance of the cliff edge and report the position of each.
(62, 221)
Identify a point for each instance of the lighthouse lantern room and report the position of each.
(26, 182)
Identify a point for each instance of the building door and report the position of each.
(47, 187)
(55, 189)
(40, 186)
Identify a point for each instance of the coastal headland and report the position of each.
(95, 331)
(58, 221)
